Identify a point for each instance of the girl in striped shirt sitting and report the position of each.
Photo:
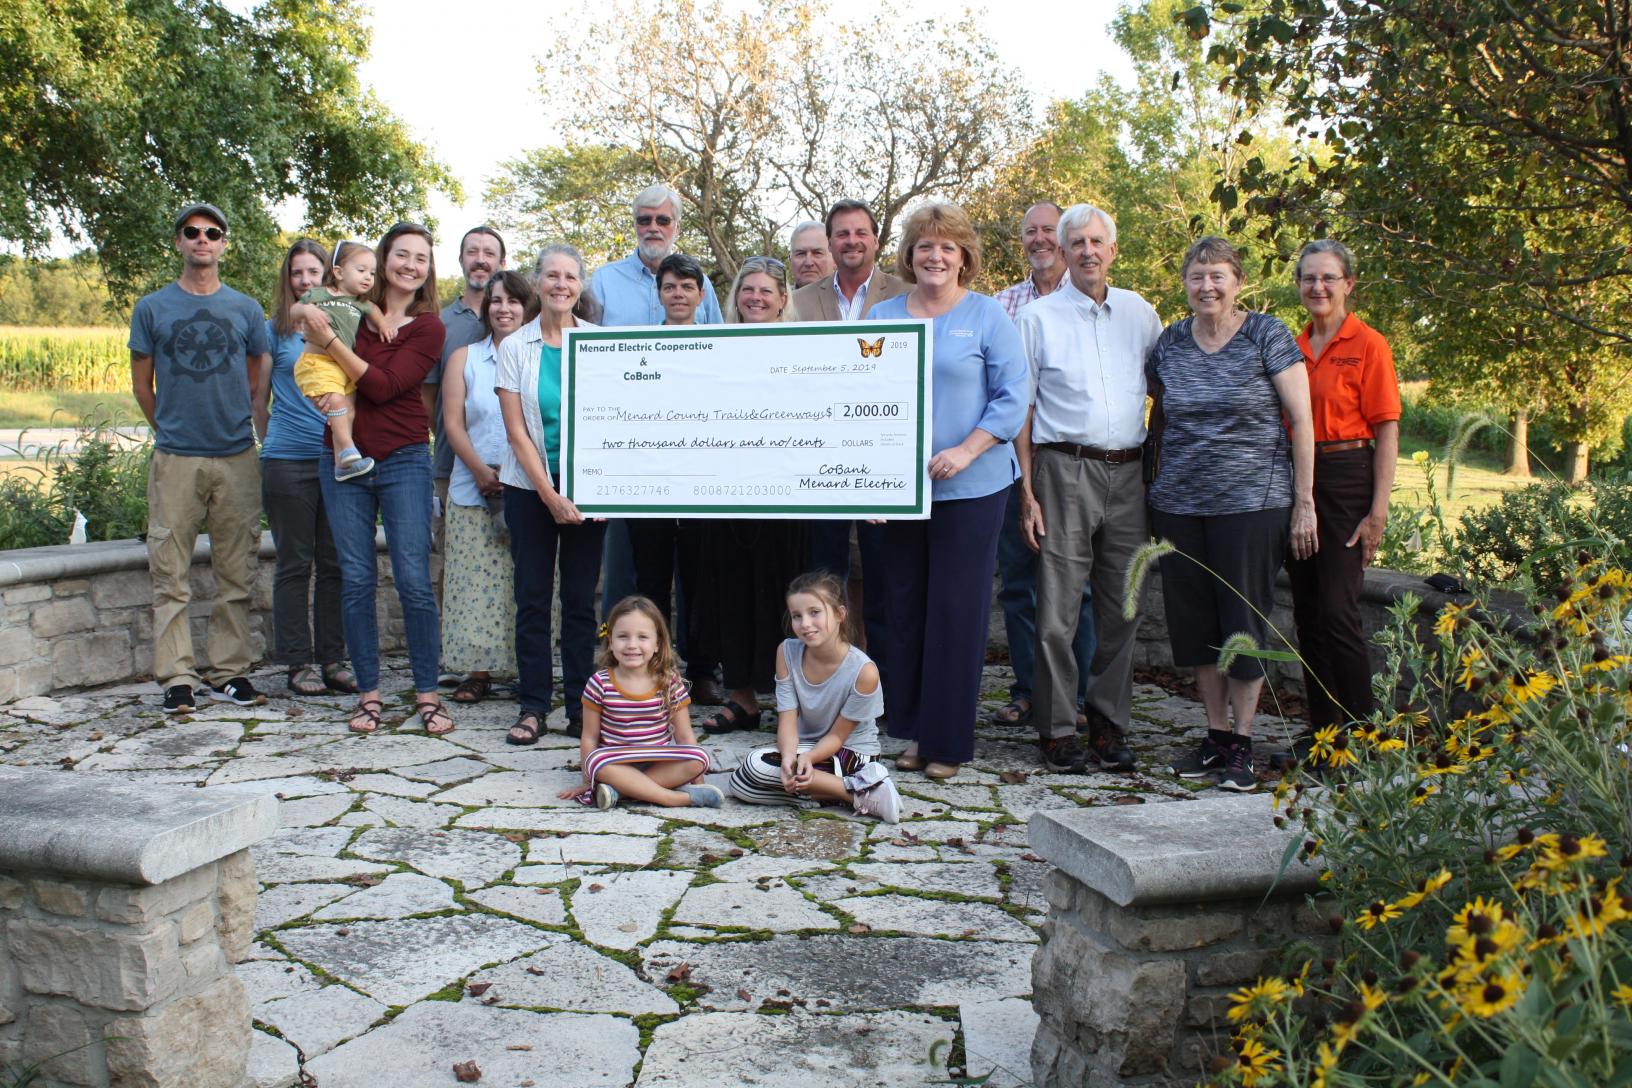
(637, 739)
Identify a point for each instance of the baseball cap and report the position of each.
(200, 209)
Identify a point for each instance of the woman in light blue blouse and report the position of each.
(310, 645)
(938, 572)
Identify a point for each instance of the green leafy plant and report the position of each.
(105, 480)
(1476, 844)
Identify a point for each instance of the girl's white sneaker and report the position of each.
(605, 796)
(882, 800)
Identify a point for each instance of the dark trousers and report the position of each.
(663, 547)
(739, 608)
(1326, 593)
(938, 597)
(830, 551)
(293, 499)
(1221, 582)
(537, 543)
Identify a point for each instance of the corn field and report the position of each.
(69, 360)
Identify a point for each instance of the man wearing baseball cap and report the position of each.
(196, 351)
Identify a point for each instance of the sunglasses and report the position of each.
(191, 233)
(769, 265)
(648, 220)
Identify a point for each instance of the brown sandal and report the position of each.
(365, 718)
(431, 716)
(473, 689)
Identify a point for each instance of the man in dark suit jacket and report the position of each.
(857, 284)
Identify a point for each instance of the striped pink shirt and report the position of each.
(627, 718)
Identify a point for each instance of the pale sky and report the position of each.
(447, 70)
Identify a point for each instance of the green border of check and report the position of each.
(568, 423)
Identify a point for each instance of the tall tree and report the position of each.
(1163, 155)
(114, 113)
(1482, 154)
(764, 117)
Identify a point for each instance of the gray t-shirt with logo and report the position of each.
(199, 345)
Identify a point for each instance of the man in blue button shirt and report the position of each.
(627, 293)
(627, 289)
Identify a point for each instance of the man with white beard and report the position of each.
(627, 289)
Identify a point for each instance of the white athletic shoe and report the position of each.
(606, 796)
(704, 796)
(881, 800)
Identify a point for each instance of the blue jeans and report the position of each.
(1017, 594)
(618, 567)
(398, 493)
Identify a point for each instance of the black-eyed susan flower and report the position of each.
(1559, 852)
(1526, 685)
(1378, 913)
(1442, 763)
(1342, 753)
(1257, 1000)
(1372, 997)
(1426, 887)
(1475, 919)
(1254, 1062)
(1622, 994)
(1449, 619)
(1420, 795)
(1598, 912)
(1492, 994)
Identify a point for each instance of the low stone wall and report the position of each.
(121, 914)
(1156, 913)
(82, 614)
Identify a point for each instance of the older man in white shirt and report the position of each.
(1082, 487)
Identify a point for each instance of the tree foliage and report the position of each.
(59, 292)
(760, 119)
(1163, 156)
(114, 113)
(1480, 156)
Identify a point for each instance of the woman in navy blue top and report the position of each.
(938, 572)
(311, 645)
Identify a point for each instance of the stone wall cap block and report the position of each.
(128, 832)
(20, 566)
(1172, 852)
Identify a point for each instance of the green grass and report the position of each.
(50, 408)
(1479, 480)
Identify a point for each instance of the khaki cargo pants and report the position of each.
(221, 496)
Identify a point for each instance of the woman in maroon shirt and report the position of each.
(390, 427)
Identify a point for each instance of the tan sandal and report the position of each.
(909, 762)
(432, 716)
(365, 717)
(941, 771)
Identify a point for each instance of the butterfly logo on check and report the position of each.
(875, 350)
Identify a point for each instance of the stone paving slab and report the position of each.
(582, 920)
(797, 1051)
(549, 1050)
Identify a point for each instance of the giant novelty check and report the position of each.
(802, 420)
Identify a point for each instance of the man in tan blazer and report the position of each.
(856, 285)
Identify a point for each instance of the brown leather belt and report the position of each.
(1093, 453)
(1343, 444)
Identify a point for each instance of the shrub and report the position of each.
(1534, 531)
(106, 481)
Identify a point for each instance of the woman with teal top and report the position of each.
(545, 526)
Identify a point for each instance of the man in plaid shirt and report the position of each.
(1043, 253)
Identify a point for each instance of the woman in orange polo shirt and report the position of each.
(1356, 401)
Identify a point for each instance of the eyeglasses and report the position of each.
(191, 233)
(648, 220)
(1327, 280)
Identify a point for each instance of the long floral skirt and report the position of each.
(478, 595)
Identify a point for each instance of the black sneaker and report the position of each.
(178, 699)
(1108, 747)
(1207, 760)
(575, 728)
(1237, 774)
(237, 690)
(1063, 754)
